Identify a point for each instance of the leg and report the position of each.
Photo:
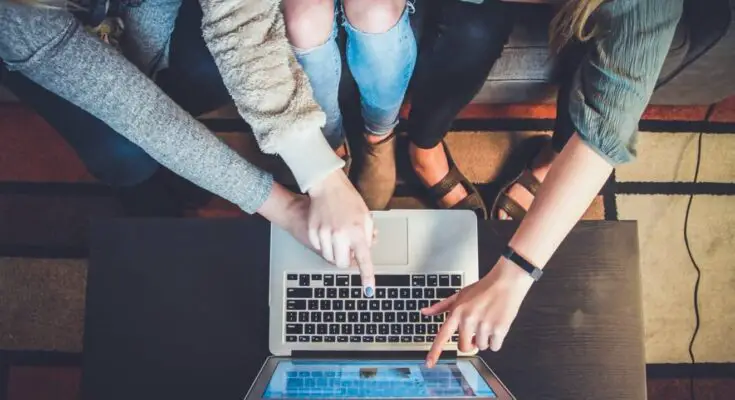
(381, 54)
(312, 31)
(460, 47)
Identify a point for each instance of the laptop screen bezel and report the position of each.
(257, 389)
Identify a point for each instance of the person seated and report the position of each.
(48, 46)
(381, 53)
(623, 45)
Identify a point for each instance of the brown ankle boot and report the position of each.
(376, 179)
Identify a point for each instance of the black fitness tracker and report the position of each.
(518, 260)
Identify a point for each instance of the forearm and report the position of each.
(271, 91)
(573, 181)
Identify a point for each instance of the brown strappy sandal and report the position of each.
(527, 180)
(473, 201)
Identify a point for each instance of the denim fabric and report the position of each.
(381, 64)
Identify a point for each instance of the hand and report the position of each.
(486, 309)
(341, 227)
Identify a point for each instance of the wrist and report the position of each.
(279, 206)
(331, 180)
(513, 274)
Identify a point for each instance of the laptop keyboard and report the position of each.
(331, 308)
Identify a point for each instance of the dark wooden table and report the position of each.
(179, 309)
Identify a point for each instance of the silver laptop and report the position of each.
(319, 315)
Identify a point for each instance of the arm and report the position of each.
(53, 50)
(271, 91)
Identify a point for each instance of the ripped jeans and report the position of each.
(381, 64)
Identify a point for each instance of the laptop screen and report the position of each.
(306, 379)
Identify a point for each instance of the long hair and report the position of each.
(571, 22)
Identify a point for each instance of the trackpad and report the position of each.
(392, 245)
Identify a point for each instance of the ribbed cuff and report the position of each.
(309, 157)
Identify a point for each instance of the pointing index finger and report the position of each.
(445, 333)
(365, 263)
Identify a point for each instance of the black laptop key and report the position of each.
(444, 293)
(328, 317)
(292, 277)
(347, 329)
(291, 338)
(433, 302)
(417, 293)
(392, 293)
(402, 317)
(392, 280)
(304, 280)
(355, 280)
(329, 339)
(367, 339)
(414, 317)
(364, 317)
(355, 293)
(322, 329)
(405, 293)
(316, 277)
(381, 339)
(362, 305)
(304, 316)
(309, 329)
(320, 293)
(456, 280)
(444, 280)
(405, 339)
(408, 329)
(313, 305)
(421, 329)
(380, 293)
(316, 317)
(340, 317)
(294, 329)
(338, 305)
(344, 293)
(291, 316)
(342, 339)
(395, 329)
(377, 317)
(384, 329)
(371, 329)
(418, 280)
(334, 329)
(303, 339)
(426, 318)
(374, 305)
(355, 339)
(350, 305)
(429, 293)
(399, 305)
(390, 317)
(432, 280)
(359, 329)
(429, 339)
(331, 293)
(454, 339)
(433, 329)
(439, 318)
(353, 316)
(423, 304)
(394, 339)
(386, 305)
(418, 339)
(296, 304)
(328, 280)
(325, 305)
(411, 305)
(343, 280)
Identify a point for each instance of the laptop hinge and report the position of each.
(389, 355)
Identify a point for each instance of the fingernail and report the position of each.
(369, 291)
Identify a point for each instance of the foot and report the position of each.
(539, 168)
(376, 180)
(431, 166)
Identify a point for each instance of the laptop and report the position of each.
(330, 341)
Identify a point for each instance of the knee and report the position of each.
(374, 16)
(308, 22)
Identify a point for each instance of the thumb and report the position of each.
(440, 307)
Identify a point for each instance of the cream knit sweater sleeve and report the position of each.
(247, 39)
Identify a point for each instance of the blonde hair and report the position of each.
(571, 22)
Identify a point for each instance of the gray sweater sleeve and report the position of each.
(51, 48)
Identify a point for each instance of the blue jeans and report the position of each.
(381, 64)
